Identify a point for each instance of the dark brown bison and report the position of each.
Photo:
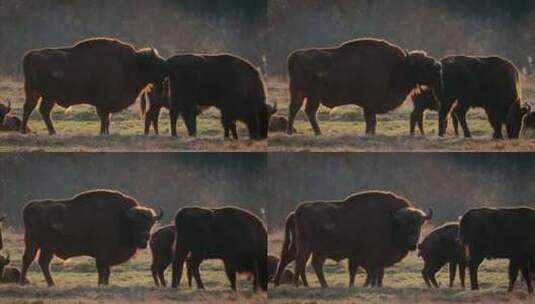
(233, 235)
(106, 225)
(491, 83)
(423, 100)
(226, 82)
(9, 274)
(8, 122)
(499, 233)
(439, 248)
(272, 263)
(2, 218)
(161, 247)
(105, 73)
(373, 74)
(375, 229)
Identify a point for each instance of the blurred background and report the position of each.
(172, 26)
(167, 180)
(450, 183)
(441, 27)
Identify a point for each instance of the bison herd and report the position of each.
(372, 229)
(374, 74)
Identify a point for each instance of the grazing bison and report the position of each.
(439, 248)
(105, 73)
(375, 229)
(8, 122)
(500, 233)
(106, 225)
(161, 247)
(491, 83)
(9, 274)
(373, 74)
(272, 263)
(233, 235)
(226, 82)
(425, 99)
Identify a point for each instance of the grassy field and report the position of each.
(343, 129)
(78, 130)
(402, 283)
(130, 282)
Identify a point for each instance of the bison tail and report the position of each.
(143, 104)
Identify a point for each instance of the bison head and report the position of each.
(426, 71)
(152, 65)
(141, 220)
(4, 110)
(408, 224)
(477, 232)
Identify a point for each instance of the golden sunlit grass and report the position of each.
(402, 283)
(130, 282)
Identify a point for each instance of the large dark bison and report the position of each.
(373, 74)
(375, 229)
(2, 218)
(226, 82)
(233, 235)
(491, 83)
(499, 233)
(441, 247)
(106, 225)
(105, 73)
(426, 99)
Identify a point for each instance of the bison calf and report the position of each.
(426, 100)
(278, 123)
(9, 274)
(440, 247)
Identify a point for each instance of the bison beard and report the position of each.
(200, 233)
(106, 225)
(342, 229)
(105, 73)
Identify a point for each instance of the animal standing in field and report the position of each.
(371, 73)
(105, 73)
(499, 233)
(9, 274)
(106, 225)
(439, 248)
(226, 82)
(233, 235)
(424, 100)
(161, 247)
(492, 83)
(374, 229)
(8, 122)
(287, 276)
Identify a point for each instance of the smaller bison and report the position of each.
(9, 274)
(157, 96)
(8, 122)
(440, 247)
(423, 100)
(279, 123)
(272, 263)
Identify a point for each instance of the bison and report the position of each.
(226, 82)
(439, 248)
(371, 73)
(499, 233)
(272, 263)
(231, 234)
(375, 229)
(491, 83)
(528, 122)
(103, 224)
(105, 73)
(279, 123)
(422, 100)
(8, 122)
(9, 274)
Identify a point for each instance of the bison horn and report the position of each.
(159, 215)
(429, 214)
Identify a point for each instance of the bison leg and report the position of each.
(29, 105)
(302, 255)
(473, 267)
(173, 117)
(527, 274)
(379, 277)
(455, 121)
(425, 270)
(190, 119)
(287, 256)
(461, 116)
(296, 103)
(155, 272)
(189, 273)
(311, 110)
(178, 266)
(371, 121)
(103, 273)
(30, 251)
(443, 113)
(193, 265)
(352, 268)
(416, 118)
(45, 108)
(453, 270)
(514, 266)
(45, 258)
(152, 118)
(104, 121)
(462, 273)
(317, 263)
(496, 122)
(231, 275)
